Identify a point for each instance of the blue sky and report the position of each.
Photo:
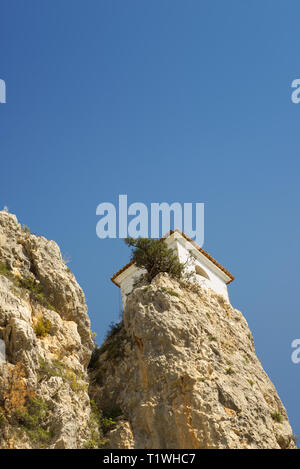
(186, 101)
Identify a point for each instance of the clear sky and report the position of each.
(163, 100)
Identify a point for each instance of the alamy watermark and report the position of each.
(295, 357)
(2, 351)
(2, 92)
(295, 96)
(136, 220)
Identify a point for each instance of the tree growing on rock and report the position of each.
(154, 256)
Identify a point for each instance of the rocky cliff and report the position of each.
(179, 371)
(183, 371)
(44, 323)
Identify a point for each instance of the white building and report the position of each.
(207, 271)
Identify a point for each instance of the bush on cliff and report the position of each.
(154, 256)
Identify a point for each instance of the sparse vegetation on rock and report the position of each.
(34, 419)
(154, 256)
(42, 327)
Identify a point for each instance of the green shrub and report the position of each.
(26, 229)
(170, 292)
(5, 270)
(277, 417)
(74, 381)
(100, 424)
(58, 368)
(34, 420)
(230, 371)
(29, 283)
(42, 327)
(26, 283)
(35, 289)
(50, 368)
(212, 338)
(154, 256)
(108, 423)
(96, 440)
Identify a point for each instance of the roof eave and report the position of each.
(187, 238)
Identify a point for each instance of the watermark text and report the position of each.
(295, 357)
(136, 221)
(2, 92)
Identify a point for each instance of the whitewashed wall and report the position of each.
(215, 282)
(127, 280)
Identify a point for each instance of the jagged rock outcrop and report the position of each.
(44, 323)
(183, 370)
(180, 371)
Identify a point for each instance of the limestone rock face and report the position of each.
(46, 330)
(184, 372)
(180, 372)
